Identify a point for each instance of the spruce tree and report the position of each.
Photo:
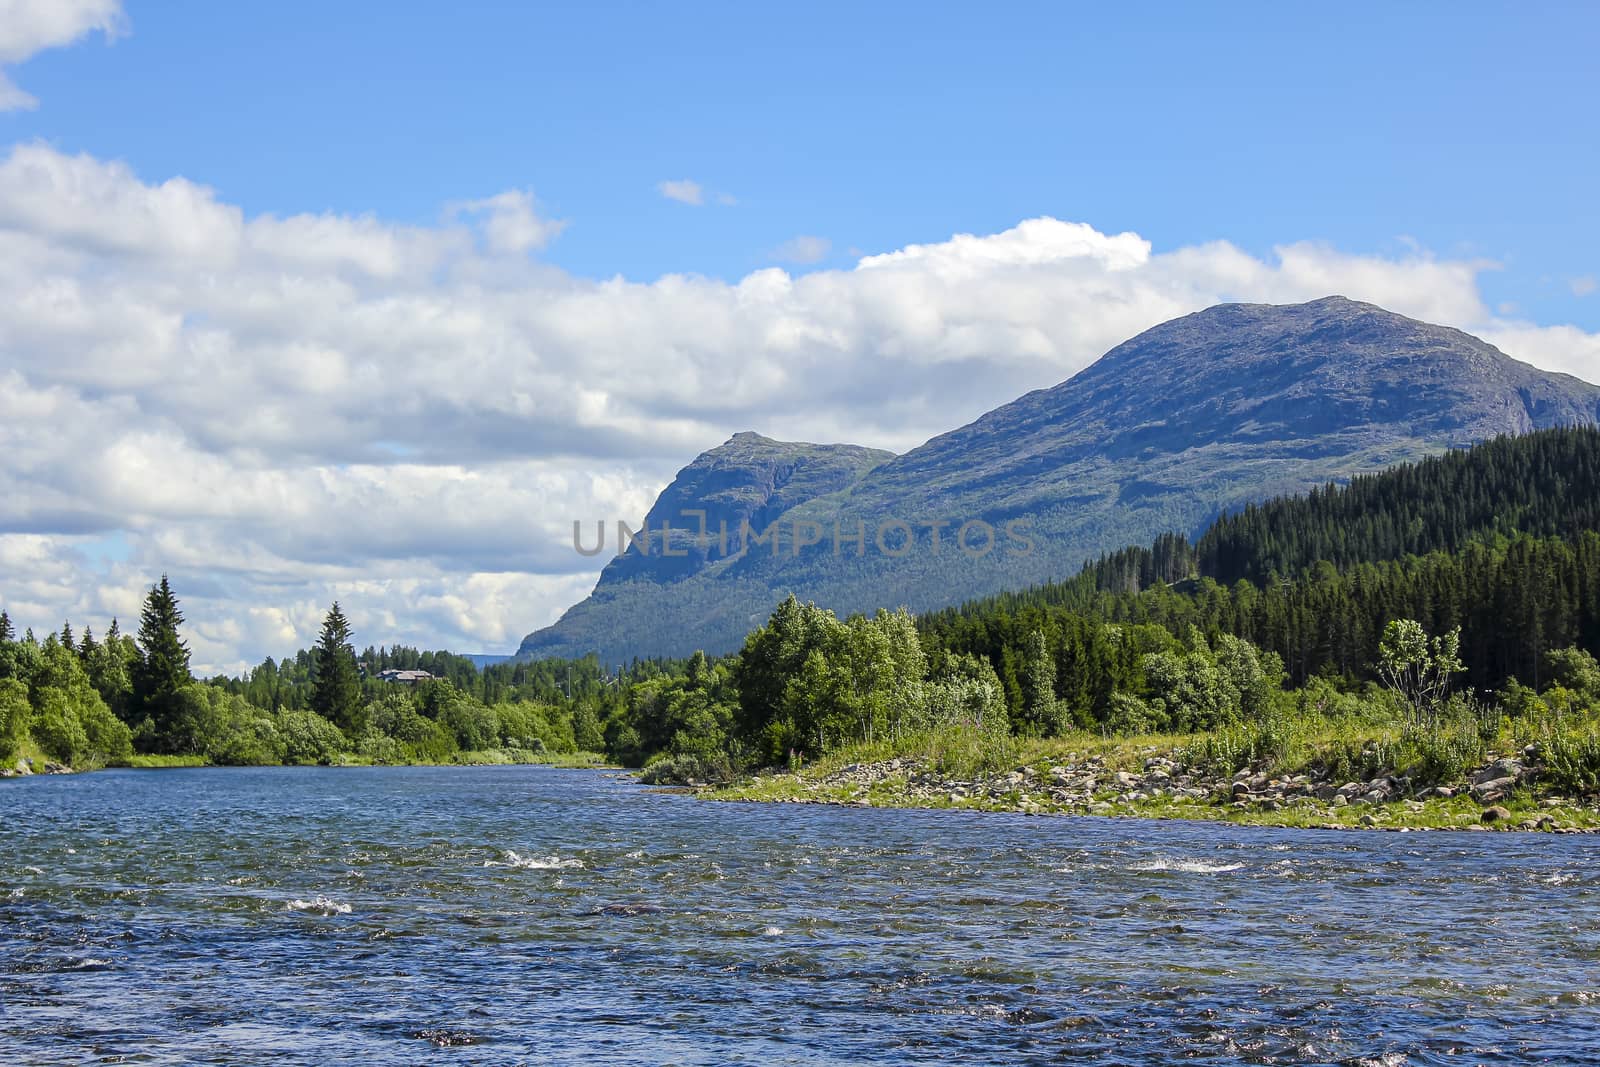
(162, 671)
(66, 637)
(336, 687)
(6, 632)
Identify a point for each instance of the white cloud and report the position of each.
(28, 27)
(281, 411)
(683, 191)
(803, 249)
(1585, 285)
(511, 221)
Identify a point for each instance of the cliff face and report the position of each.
(1190, 418)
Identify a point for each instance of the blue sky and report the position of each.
(371, 301)
(1471, 129)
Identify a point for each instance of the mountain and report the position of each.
(1192, 418)
(748, 480)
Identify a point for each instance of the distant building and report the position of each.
(408, 677)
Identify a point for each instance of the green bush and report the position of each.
(56, 728)
(1572, 762)
(535, 727)
(108, 736)
(381, 748)
(308, 737)
(475, 727)
(687, 770)
(1442, 755)
(1358, 759)
(15, 714)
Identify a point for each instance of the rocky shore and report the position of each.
(1503, 793)
(26, 767)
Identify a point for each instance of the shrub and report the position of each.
(381, 748)
(15, 712)
(108, 736)
(1572, 762)
(1442, 755)
(1357, 760)
(308, 737)
(475, 727)
(687, 770)
(56, 728)
(535, 727)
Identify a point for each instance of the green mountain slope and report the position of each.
(1192, 418)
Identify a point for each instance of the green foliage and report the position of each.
(965, 694)
(336, 684)
(473, 725)
(241, 734)
(1572, 762)
(57, 730)
(70, 722)
(1544, 484)
(1042, 714)
(1418, 667)
(15, 715)
(536, 727)
(1199, 689)
(688, 769)
(308, 737)
(1265, 743)
(807, 681)
(161, 677)
(1442, 754)
(1576, 671)
(1128, 715)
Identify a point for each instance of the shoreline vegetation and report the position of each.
(1175, 777)
(37, 764)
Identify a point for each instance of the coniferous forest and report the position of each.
(1455, 594)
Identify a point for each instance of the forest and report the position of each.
(1447, 597)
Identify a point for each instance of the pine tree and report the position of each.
(336, 687)
(162, 671)
(66, 637)
(6, 632)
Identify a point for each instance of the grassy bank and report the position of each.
(495, 757)
(1335, 776)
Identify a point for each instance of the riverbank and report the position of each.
(27, 765)
(1162, 778)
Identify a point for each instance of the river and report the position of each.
(510, 915)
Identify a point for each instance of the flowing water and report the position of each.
(532, 915)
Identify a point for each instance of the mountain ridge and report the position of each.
(1195, 416)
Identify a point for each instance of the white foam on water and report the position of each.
(319, 906)
(1388, 1059)
(33, 870)
(15, 894)
(1187, 866)
(534, 863)
(771, 931)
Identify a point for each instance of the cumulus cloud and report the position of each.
(803, 249)
(511, 221)
(28, 27)
(281, 411)
(683, 191)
